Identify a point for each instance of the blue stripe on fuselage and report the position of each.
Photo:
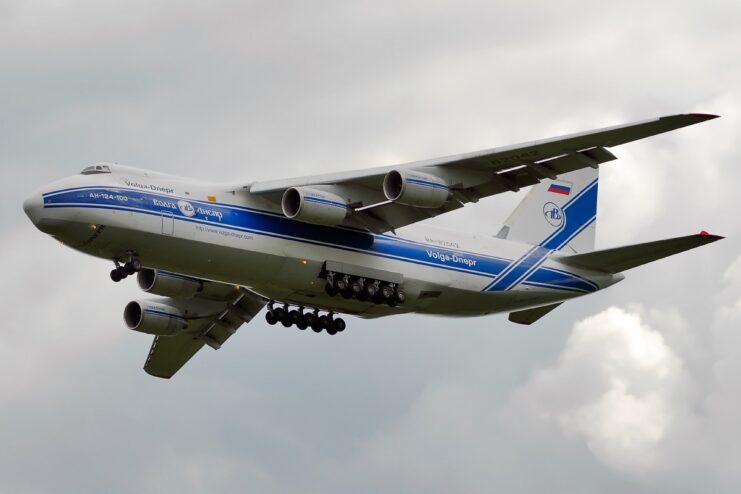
(271, 224)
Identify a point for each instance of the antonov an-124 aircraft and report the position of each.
(310, 248)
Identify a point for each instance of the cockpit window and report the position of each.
(92, 169)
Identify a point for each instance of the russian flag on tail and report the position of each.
(561, 188)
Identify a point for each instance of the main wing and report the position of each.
(472, 176)
(169, 353)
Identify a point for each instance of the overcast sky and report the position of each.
(637, 388)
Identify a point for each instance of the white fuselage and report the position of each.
(223, 234)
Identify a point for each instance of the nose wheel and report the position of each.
(302, 320)
(121, 271)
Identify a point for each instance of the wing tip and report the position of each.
(709, 236)
(155, 373)
(703, 116)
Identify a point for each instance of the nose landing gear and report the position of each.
(133, 265)
(303, 320)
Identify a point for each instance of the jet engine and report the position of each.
(168, 284)
(158, 318)
(412, 188)
(314, 206)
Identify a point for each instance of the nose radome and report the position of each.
(33, 206)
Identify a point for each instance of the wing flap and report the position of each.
(621, 259)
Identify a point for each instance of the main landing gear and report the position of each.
(303, 320)
(364, 289)
(133, 265)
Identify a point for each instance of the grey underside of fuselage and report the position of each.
(293, 278)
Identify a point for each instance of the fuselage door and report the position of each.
(168, 223)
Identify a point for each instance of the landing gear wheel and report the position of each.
(399, 296)
(342, 284)
(324, 322)
(338, 325)
(116, 276)
(387, 293)
(313, 321)
(330, 289)
(279, 313)
(271, 319)
(357, 288)
(294, 316)
(303, 322)
(136, 264)
(287, 319)
(371, 290)
(331, 330)
(129, 268)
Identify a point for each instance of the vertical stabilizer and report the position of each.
(558, 214)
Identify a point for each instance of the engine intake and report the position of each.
(314, 206)
(412, 188)
(168, 284)
(155, 318)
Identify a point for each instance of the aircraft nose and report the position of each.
(34, 206)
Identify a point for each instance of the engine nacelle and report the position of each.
(147, 316)
(168, 284)
(417, 189)
(314, 206)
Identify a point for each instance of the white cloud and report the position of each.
(614, 385)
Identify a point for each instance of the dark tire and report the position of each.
(129, 268)
(387, 293)
(270, 318)
(122, 272)
(313, 322)
(286, 319)
(400, 296)
(137, 265)
(294, 316)
(331, 330)
(115, 275)
(357, 288)
(338, 325)
(330, 289)
(347, 293)
(303, 323)
(371, 290)
(325, 321)
(342, 285)
(279, 313)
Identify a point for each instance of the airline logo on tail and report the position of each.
(553, 214)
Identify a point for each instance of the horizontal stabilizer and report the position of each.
(622, 258)
(529, 316)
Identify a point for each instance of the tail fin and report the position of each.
(557, 214)
(623, 258)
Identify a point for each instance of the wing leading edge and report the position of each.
(472, 176)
